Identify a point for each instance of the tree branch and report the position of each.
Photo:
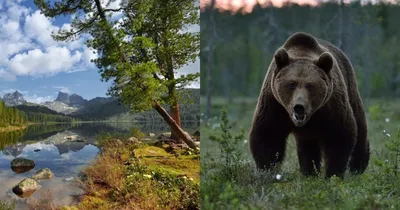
(86, 25)
(113, 10)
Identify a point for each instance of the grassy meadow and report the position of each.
(230, 180)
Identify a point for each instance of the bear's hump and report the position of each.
(302, 40)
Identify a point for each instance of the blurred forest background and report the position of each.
(236, 49)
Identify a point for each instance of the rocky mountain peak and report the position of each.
(62, 97)
(74, 100)
(14, 99)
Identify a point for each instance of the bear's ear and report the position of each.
(281, 58)
(325, 62)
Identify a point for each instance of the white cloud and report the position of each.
(88, 55)
(37, 63)
(63, 89)
(38, 99)
(38, 27)
(113, 4)
(11, 28)
(15, 11)
(12, 40)
(27, 48)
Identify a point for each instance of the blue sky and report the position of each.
(33, 63)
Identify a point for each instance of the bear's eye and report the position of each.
(309, 86)
(292, 85)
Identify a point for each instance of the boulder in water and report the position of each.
(43, 173)
(25, 188)
(21, 165)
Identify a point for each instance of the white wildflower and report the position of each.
(245, 141)
(278, 177)
(147, 176)
(215, 125)
(387, 120)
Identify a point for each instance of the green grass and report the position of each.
(140, 176)
(4, 205)
(238, 185)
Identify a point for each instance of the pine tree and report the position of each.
(141, 53)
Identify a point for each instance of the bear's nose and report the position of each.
(298, 109)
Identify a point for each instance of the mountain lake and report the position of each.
(50, 147)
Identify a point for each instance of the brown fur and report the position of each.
(316, 74)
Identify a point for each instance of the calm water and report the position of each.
(63, 157)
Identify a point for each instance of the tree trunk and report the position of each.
(176, 115)
(174, 126)
(210, 60)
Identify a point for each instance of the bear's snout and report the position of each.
(299, 109)
(299, 113)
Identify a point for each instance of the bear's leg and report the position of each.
(268, 134)
(309, 155)
(337, 152)
(360, 157)
(268, 151)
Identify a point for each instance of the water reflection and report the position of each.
(22, 169)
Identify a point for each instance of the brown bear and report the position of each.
(310, 90)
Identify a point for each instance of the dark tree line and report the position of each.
(43, 118)
(240, 46)
(10, 116)
(20, 115)
(40, 114)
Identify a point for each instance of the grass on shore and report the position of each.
(4, 205)
(140, 176)
(239, 185)
(11, 128)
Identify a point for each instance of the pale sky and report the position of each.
(248, 5)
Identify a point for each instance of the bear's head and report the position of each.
(302, 86)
